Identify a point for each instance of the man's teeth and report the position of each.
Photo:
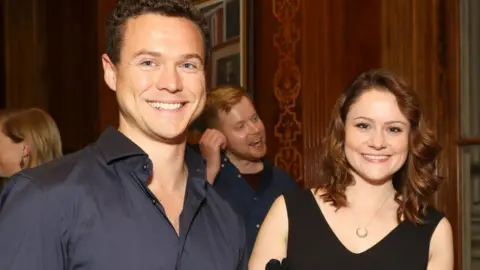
(376, 157)
(256, 142)
(165, 106)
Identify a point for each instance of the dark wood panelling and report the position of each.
(448, 131)
(2, 57)
(265, 58)
(72, 70)
(421, 42)
(51, 63)
(336, 41)
(362, 39)
(343, 41)
(410, 46)
(107, 106)
(25, 54)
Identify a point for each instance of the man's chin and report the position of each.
(173, 137)
(256, 156)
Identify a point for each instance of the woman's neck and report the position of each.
(364, 194)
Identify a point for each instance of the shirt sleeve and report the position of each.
(28, 234)
(243, 262)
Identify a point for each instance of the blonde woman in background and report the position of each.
(28, 138)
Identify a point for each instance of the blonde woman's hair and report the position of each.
(37, 129)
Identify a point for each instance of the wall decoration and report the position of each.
(229, 61)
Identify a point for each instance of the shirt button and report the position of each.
(239, 176)
(223, 165)
(154, 201)
(224, 159)
(258, 226)
(255, 198)
(145, 167)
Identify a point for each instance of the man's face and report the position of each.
(244, 131)
(160, 78)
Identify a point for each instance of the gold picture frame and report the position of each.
(229, 59)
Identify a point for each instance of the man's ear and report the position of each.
(109, 72)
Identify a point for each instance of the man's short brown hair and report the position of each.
(127, 9)
(221, 99)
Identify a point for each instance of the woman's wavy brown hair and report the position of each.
(415, 182)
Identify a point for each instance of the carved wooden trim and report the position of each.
(287, 84)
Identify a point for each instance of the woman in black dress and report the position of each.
(369, 206)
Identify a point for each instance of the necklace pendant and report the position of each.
(362, 232)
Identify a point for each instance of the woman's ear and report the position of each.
(26, 150)
(25, 162)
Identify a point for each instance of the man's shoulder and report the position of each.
(280, 175)
(50, 186)
(59, 171)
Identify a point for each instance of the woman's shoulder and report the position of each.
(299, 194)
(431, 219)
(432, 216)
(300, 201)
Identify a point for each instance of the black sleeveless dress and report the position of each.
(313, 245)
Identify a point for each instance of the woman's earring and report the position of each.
(24, 161)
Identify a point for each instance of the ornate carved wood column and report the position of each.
(287, 84)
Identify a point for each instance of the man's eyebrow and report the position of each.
(158, 54)
(193, 56)
(147, 52)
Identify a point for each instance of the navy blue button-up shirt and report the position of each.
(93, 210)
(252, 205)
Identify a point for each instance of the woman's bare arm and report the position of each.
(271, 241)
(441, 247)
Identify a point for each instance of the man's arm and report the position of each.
(28, 231)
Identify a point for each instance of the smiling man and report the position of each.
(136, 198)
(240, 173)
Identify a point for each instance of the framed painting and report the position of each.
(229, 22)
(231, 39)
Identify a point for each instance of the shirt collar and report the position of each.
(267, 172)
(116, 146)
(197, 174)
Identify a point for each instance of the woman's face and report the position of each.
(376, 136)
(10, 156)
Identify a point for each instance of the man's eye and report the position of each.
(148, 63)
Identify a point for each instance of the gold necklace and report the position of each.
(362, 232)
